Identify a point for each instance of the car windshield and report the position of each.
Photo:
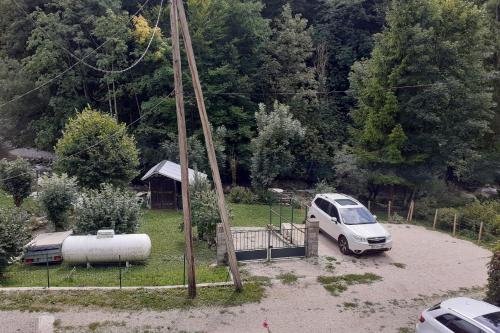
(358, 215)
(491, 320)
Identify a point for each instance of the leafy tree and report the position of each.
(107, 208)
(57, 195)
(96, 149)
(278, 134)
(13, 234)
(435, 51)
(16, 178)
(288, 76)
(197, 152)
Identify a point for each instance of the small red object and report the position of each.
(265, 324)
(28, 261)
(421, 318)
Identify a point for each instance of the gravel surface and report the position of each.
(423, 268)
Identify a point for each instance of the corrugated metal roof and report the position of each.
(171, 170)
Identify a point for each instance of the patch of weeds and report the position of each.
(350, 305)
(405, 330)
(57, 323)
(335, 289)
(330, 259)
(330, 267)
(338, 284)
(287, 278)
(262, 280)
(398, 265)
(96, 325)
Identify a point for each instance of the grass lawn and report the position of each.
(166, 264)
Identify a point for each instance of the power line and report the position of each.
(154, 107)
(82, 61)
(66, 70)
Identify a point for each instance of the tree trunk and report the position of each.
(18, 201)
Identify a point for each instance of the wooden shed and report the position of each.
(164, 180)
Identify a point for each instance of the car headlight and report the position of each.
(388, 238)
(359, 238)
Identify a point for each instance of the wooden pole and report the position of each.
(435, 220)
(181, 124)
(369, 206)
(480, 232)
(207, 131)
(389, 211)
(455, 225)
(410, 211)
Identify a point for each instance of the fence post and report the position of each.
(184, 276)
(271, 211)
(410, 211)
(389, 211)
(455, 225)
(120, 269)
(291, 204)
(269, 232)
(435, 220)
(369, 206)
(281, 212)
(48, 272)
(305, 216)
(480, 232)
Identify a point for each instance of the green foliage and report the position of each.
(324, 187)
(493, 292)
(487, 212)
(16, 178)
(446, 217)
(107, 208)
(204, 210)
(57, 195)
(401, 134)
(14, 234)
(96, 149)
(278, 134)
(241, 194)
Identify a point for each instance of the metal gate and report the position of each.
(270, 243)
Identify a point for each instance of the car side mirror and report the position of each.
(375, 217)
(334, 220)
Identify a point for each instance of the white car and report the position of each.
(346, 220)
(460, 315)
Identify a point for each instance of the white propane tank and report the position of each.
(106, 247)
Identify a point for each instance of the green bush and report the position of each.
(16, 178)
(96, 149)
(241, 194)
(323, 186)
(57, 195)
(13, 234)
(493, 292)
(445, 218)
(487, 212)
(204, 210)
(107, 208)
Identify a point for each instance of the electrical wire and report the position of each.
(82, 61)
(18, 97)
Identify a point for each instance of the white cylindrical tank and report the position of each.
(106, 247)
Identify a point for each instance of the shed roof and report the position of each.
(49, 239)
(171, 170)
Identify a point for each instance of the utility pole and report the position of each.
(181, 125)
(207, 131)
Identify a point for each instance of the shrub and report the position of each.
(445, 218)
(323, 187)
(397, 219)
(96, 149)
(107, 208)
(493, 292)
(241, 194)
(56, 196)
(16, 178)
(204, 210)
(487, 212)
(13, 234)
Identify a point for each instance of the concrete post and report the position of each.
(312, 237)
(221, 246)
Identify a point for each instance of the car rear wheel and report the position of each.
(344, 245)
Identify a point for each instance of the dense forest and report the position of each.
(364, 94)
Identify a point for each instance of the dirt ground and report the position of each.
(423, 268)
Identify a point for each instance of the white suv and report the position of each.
(460, 315)
(346, 220)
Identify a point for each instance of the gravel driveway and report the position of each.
(422, 268)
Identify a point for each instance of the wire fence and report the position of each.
(165, 271)
(445, 219)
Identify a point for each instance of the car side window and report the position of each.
(334, 212)
(322, 204)
(458, 325)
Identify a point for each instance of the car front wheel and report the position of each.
(344, 245)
